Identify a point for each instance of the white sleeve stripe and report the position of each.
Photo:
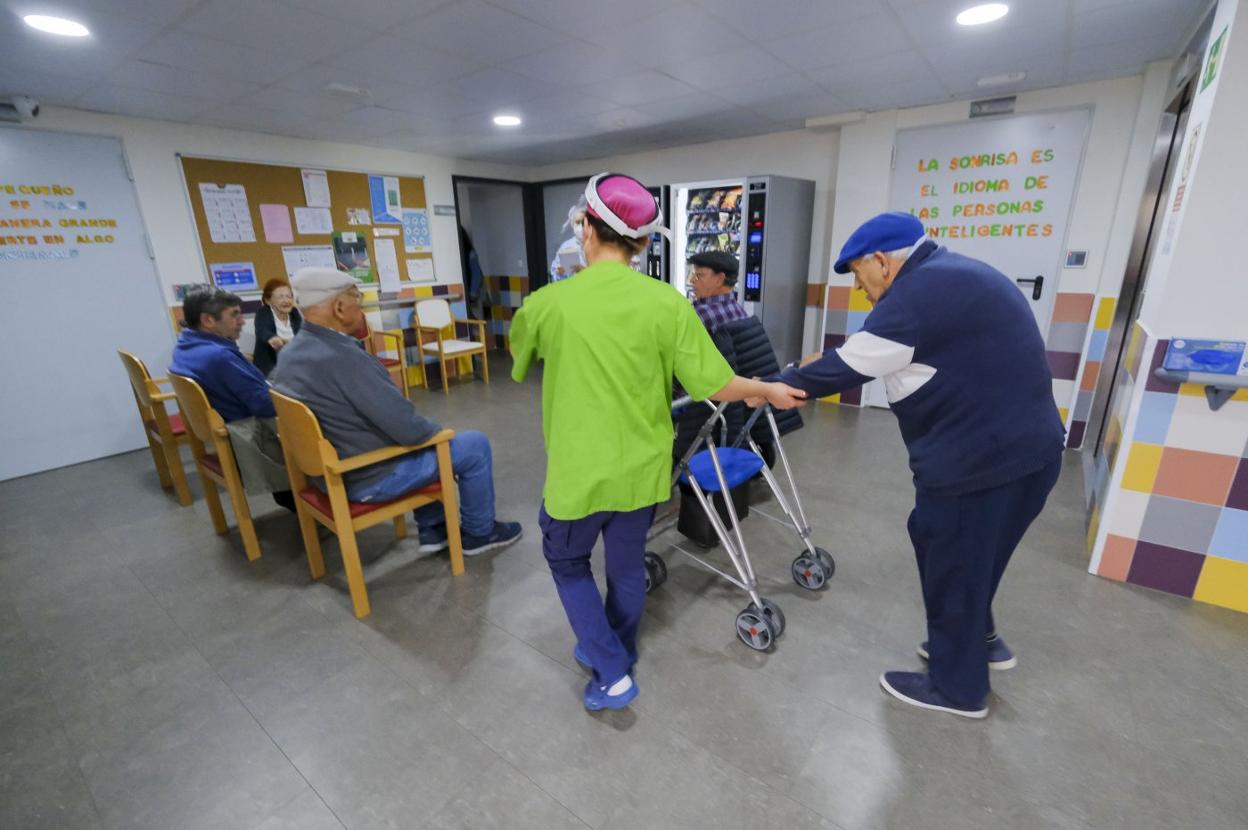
(874, 356)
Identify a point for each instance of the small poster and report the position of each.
(228, 212)
(387, 205)
(1213, 61)
(416, 237)
(358, 216)
(380, 231)
(234, 276)
(307, 256)
(315, 188)
(351, 255)
(313, 221)
(275, 219)
(420, 270)
(387, 264)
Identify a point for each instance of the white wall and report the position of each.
(151, 147)
(801, 155)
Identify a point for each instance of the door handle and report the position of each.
(1036, 283)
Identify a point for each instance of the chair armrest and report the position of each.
(469, 321)
(384, 333)
(428, 329)
(160, 380)
(163, 396)
(386, 453)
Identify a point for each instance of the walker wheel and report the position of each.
(656, 571)
(755, 629)
(825, 559)
(808, 573)
(773, 613)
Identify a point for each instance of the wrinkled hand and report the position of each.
(276, 342)
(559, 270)
(783, 396)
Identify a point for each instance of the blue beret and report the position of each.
(886, 232)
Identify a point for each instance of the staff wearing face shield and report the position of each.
(570, 256)
(965, 369)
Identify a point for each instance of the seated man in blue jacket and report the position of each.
(360, 410)
(964, 367)
(207, 353)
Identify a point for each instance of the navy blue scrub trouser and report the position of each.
(608, 634)
(962, 544)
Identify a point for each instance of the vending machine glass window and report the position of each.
(708, 218)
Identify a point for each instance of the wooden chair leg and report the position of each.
(355, 572)
(214, 504)
(485, 367)
(446, 390)
(174, 459)
(400, 527)
(311, 540)
(450, 508)
(246, 528)
(158, 458)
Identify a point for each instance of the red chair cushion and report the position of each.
(389, 361)
(320, 501)
(175, 423)
(212, 462)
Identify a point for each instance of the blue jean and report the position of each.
(963, 544)
(608, 634)
(473, 466)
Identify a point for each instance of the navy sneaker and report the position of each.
(916, 689)
(504, 534)
(582, 658)
(1000, 657)
(597, 699)
(433, 539)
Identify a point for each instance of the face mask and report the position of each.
(578, 231)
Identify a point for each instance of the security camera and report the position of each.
(19, 108)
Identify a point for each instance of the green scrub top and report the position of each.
(611, 340)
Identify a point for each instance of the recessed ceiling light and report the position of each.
(986, 13)
(507, 120)
(56, 25)
(1001, 80)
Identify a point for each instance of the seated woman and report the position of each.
(277, 322)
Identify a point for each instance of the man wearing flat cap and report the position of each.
(361, 410)
(714, 283)
(964, 367)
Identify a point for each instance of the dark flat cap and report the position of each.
(717, 261)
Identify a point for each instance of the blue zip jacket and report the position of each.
(234, 387)
(964, 365)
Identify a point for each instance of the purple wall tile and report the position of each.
(1165, 569)
(1074, 438)
(1063, 365)
(833, 341)
(852, 396)
(1152, 382)
(1239, 487)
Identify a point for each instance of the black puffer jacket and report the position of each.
(746, 347)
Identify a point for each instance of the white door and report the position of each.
(79, 284)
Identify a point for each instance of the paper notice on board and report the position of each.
(307, 256)
(228, 212)
(358, 216)
(416, 237)
(383, 193)
(387, 264)
(313, 221)
(275, 219)
(385, 231)
(315, 188)
(420, 270)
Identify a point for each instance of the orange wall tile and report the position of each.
(1195, 476)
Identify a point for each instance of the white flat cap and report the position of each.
(316, 285)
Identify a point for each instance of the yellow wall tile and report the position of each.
(858, 301)
(1142, 466)
(1105, 313)
(1062, 411)
(832, 398)
(1094, 524)
(1223, 582)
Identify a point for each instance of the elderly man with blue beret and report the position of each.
(964, 367)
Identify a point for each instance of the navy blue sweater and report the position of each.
(234, 387)
(962, 360)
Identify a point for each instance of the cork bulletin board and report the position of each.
(268, 216)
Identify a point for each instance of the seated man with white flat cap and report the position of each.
(361, 410)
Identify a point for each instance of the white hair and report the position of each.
(576, 215)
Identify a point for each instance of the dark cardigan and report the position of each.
(265, 356)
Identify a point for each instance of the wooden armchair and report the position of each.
(308, 453)
(384, 340)
(430, 320)
(165, 432)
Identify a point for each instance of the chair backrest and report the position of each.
(204, 422)
(433, 314)
(301, 435)
(140, 382)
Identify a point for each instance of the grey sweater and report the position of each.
(352, 396)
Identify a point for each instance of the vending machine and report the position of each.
(764, 221)
(659, 251)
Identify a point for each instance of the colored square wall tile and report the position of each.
(1195, 426)
(1223, 582)
(1230, 540)
(1063, 365)
(853, 397)
(1091, 371)
(856, 321)
(1083, 406)
(1152, 422)
(1063, 393)
(1072, 308)
(1165, 569)
(1066, 337)
(1116, 557)
(1152, 383)
(838, 297)
(1196, 476)
(815, 293)
(1097, 344)
(1074, 436)
(1063, 412)
(1105, 312)
(833, 340)
(1142, 465)
(1135, 350)
(1126, 514)
(838, 322)
(1179, 524)
(858, 301)
(1238, 497)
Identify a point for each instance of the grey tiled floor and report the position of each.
(152, 678)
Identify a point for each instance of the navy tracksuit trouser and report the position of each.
(963, 544)
(607, 633)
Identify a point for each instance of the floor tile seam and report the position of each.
(526, 777)
(77, 763)
(234, 692)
